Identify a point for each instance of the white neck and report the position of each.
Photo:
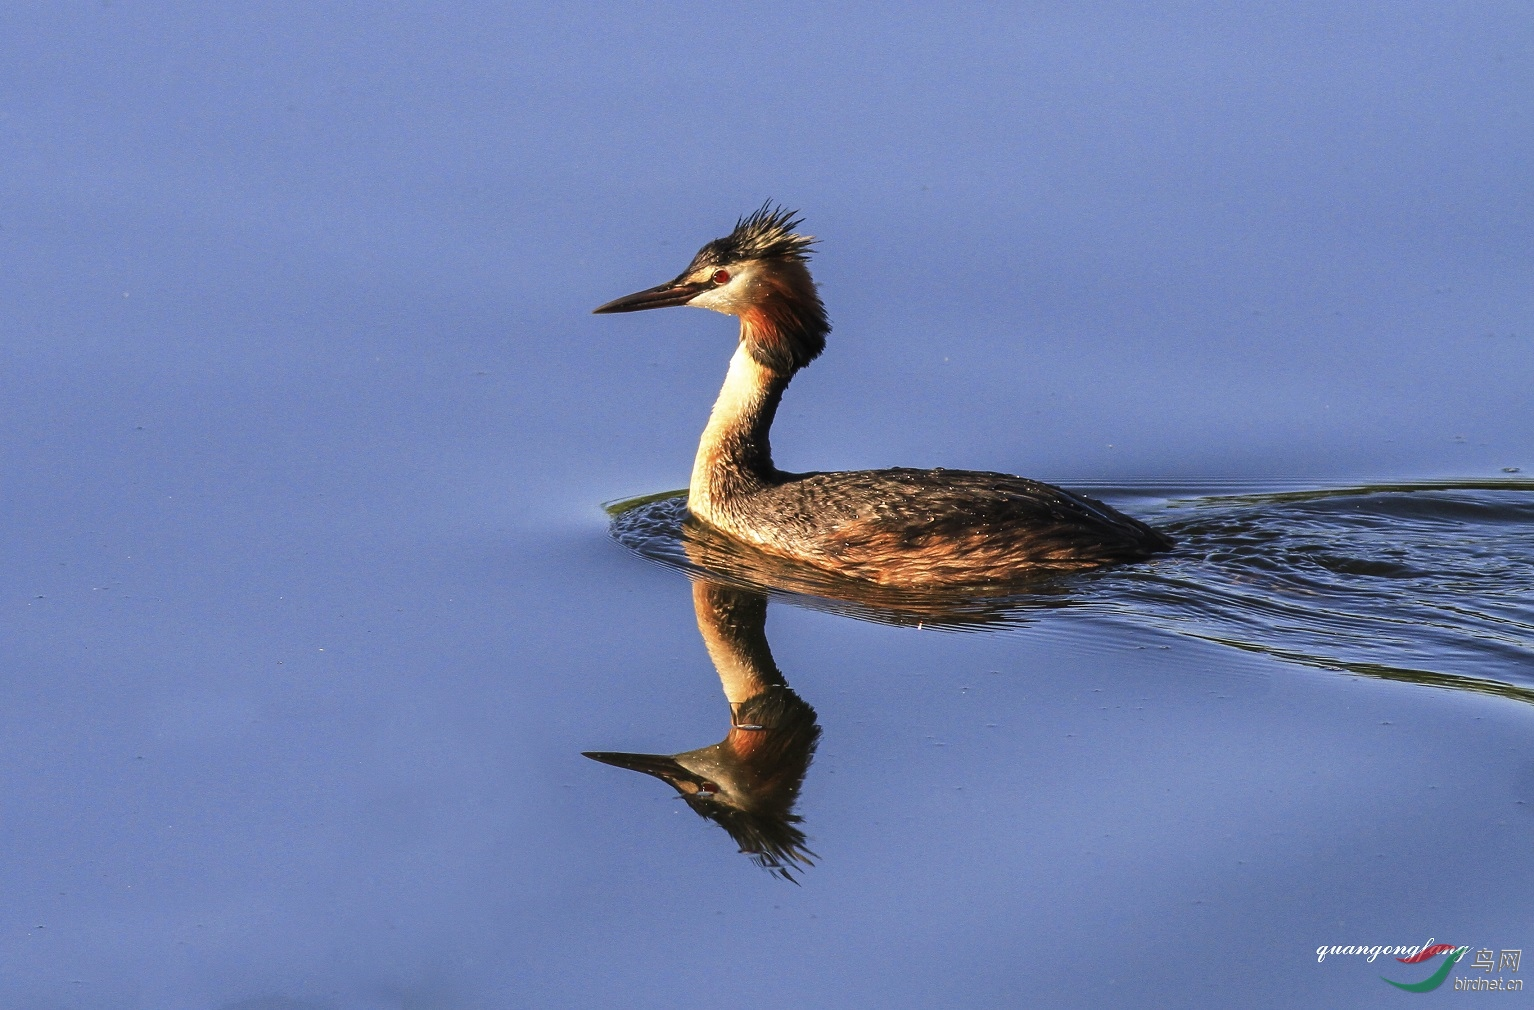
(733, 627)
(734, 455)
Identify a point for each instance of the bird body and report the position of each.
(898, 526)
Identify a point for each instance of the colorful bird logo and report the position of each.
(1434, 980)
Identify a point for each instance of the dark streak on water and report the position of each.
(1427, 582)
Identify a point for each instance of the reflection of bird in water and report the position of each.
(896, 527)
(749, 781)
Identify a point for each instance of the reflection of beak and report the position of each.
(659, 765)
(693, 786)
(677, 292)
(668, 769)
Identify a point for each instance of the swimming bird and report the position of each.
(899, 527)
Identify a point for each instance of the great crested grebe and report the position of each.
(896, 527)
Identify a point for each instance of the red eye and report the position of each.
(721, 277)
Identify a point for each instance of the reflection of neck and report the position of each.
(734, 456)
(734, 628)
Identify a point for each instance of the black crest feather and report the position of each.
(765, 233)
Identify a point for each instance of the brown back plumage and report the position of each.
(940, 527)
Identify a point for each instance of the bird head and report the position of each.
(749, 782)
(758, 273)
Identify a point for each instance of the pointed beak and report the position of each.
(659, 765)
(677, 292)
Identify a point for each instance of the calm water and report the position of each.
(312, 606)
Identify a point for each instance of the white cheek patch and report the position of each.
(715, 298)
(729, 298)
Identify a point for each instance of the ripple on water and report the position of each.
(1430, 582)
